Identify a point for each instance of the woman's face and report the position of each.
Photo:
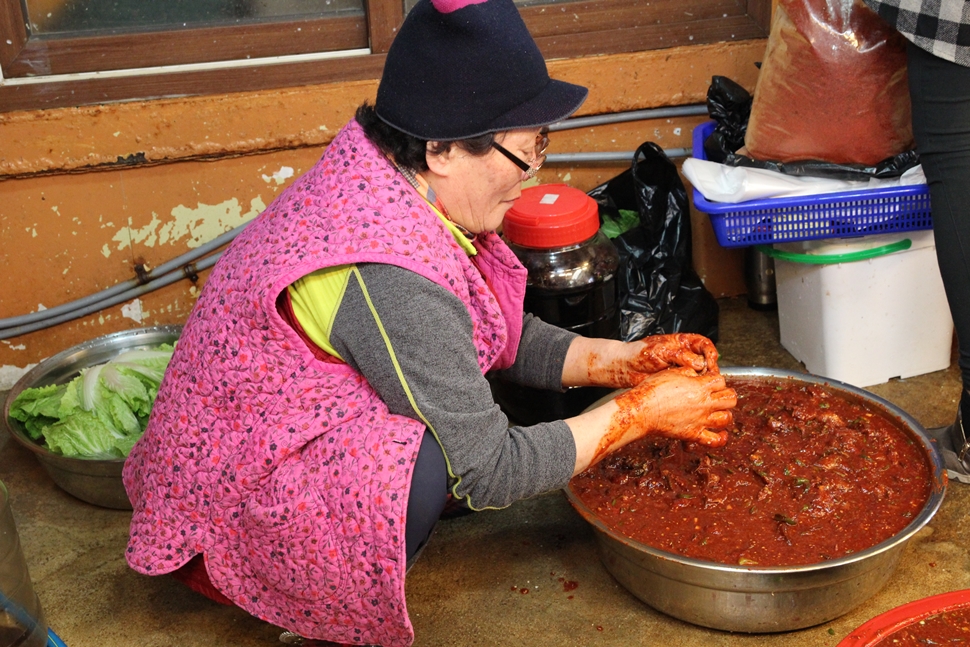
(477, 190)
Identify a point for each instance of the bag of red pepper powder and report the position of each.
(832, 87)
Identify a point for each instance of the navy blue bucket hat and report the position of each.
(463, 68)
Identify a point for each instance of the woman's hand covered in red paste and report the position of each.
(681, 349)
(622, 365)
(617, 364)
(677, 403)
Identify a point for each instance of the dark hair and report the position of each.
(407, 150)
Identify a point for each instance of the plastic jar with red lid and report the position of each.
(553, 229)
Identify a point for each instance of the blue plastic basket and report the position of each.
(830, 215)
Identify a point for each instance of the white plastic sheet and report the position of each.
(733, 184)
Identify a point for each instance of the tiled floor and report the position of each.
(469, 586)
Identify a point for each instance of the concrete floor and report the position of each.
(469, 587)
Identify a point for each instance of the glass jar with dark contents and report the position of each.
(553, 229)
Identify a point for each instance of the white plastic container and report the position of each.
(864, 322)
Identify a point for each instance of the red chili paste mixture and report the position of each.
(806, 476)
(947, 628)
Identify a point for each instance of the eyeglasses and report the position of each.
(530, 169)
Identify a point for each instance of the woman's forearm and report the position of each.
(589, 430)
(596, 362)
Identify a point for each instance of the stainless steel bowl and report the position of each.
(765, 599)
(95, 481)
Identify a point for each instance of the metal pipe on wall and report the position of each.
(106, 294)
(631, 115)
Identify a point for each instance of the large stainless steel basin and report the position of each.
(765, 599)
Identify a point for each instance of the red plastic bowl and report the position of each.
(884, 625)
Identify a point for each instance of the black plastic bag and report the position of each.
(888, 168)
(729, 105)
(659, 290)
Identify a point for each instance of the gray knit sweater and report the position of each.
(431, 333)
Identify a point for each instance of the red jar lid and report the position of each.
(551, 215)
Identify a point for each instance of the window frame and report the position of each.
(50, 72)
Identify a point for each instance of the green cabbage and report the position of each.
(99, 414)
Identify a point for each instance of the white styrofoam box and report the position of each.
(865, 322)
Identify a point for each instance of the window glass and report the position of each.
(409, 4)
(52, 52)
(52, 17)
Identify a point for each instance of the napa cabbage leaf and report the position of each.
(99, 414)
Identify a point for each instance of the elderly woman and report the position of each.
(328, 393)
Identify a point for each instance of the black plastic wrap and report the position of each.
(888, 168)
(659, 290)
(729, 105)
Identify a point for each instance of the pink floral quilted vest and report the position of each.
(288, 473)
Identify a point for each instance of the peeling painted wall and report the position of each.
(68, 236)
(89, 197)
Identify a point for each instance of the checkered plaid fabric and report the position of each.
(941, 27)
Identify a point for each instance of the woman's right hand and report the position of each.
(676, 402)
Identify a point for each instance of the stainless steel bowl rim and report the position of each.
(34, 378)
(929, 510)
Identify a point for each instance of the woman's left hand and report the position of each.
(612, 363)
(689, 350)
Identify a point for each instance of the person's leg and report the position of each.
(429, 492)
(940, 93)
